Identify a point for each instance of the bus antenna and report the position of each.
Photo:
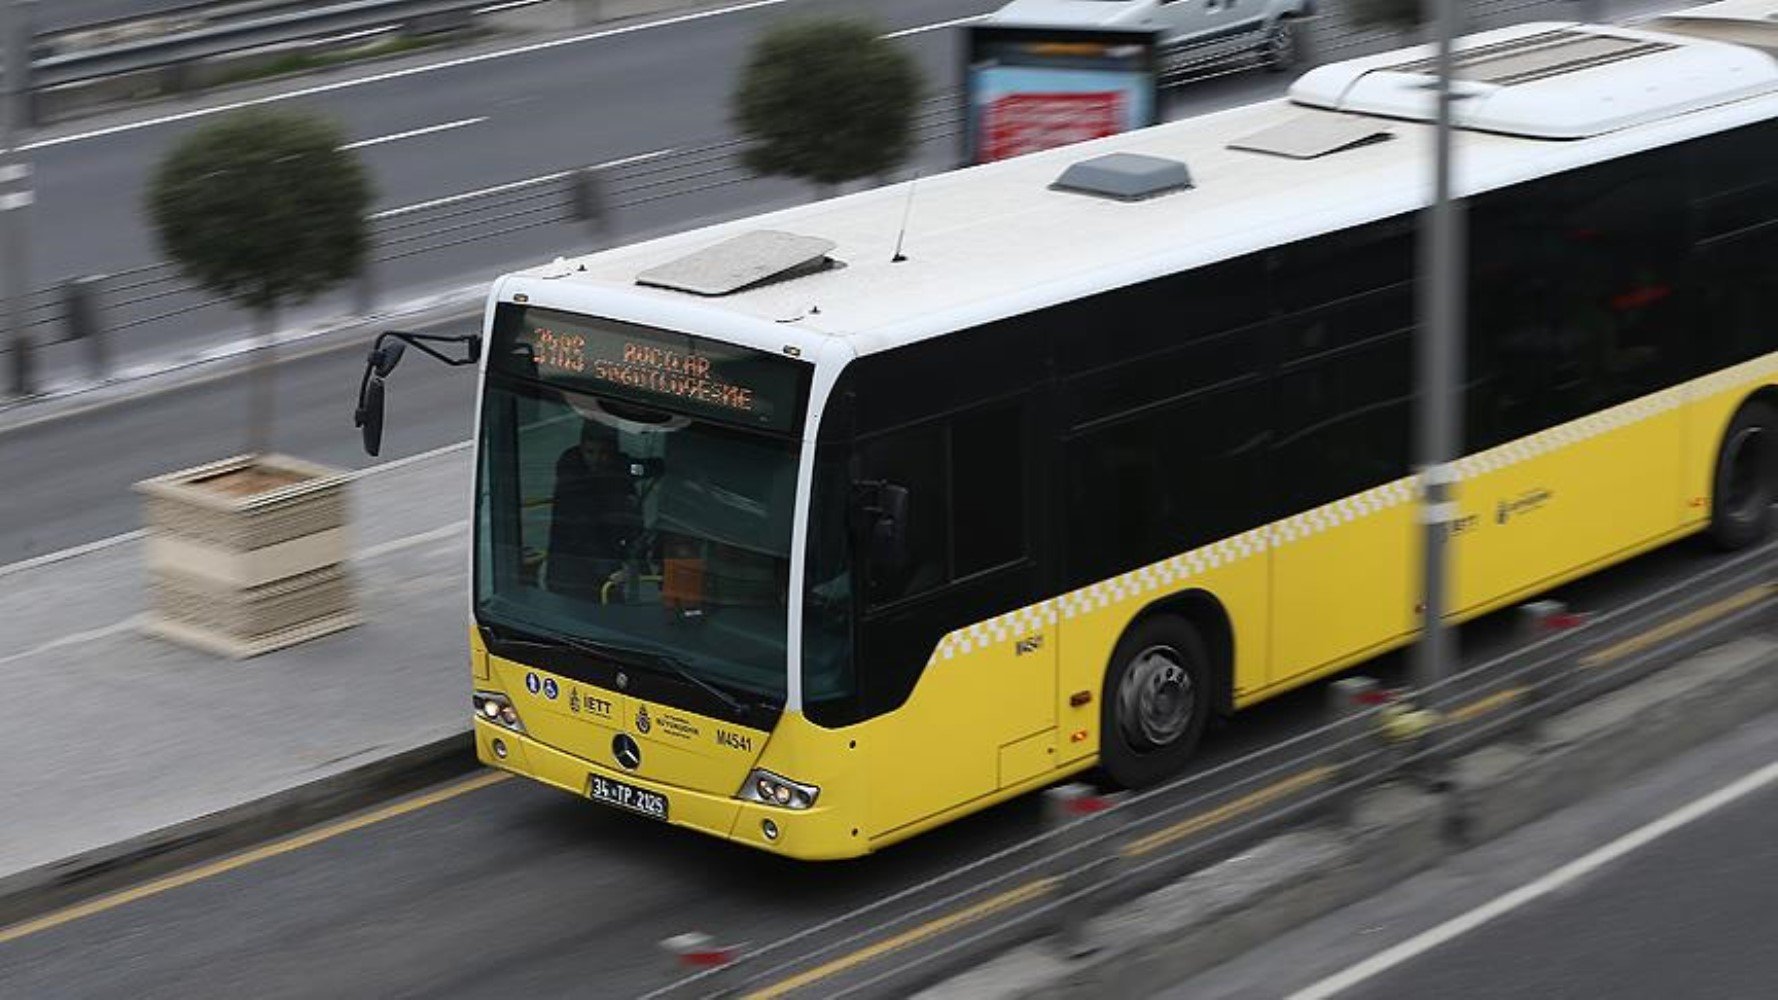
(905, 212)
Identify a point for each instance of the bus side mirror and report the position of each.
(369, 415)
(385, 354)
(384, 359)
(881, 514)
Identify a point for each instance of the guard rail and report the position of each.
(1089, 862)
(283, 23)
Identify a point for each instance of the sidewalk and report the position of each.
(114, 735)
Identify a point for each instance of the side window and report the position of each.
(1164, 480)
(1578, 295)
(1735, 263)
(1335, 267)
(1620, 230)
(1346, 394)
(1511, 330)
(1345, 384)
(916, 460)
(966, 497)
(988, 489)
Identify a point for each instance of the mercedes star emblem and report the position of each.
(624, 748)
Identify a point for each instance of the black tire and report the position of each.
(1146, 734)
(1280, 51)
(1742, 488)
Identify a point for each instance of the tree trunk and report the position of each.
(260, 402)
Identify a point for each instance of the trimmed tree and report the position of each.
(826, 101)
(264, 208)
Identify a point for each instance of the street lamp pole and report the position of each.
(15, 186)
(1441, 351)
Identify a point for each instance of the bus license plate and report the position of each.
(629, 797)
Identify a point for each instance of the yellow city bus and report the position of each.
(819, 529)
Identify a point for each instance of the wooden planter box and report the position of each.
(247, 555)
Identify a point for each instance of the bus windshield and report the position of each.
(653, 533)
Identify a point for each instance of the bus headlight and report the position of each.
(764, 787)
(497, 708)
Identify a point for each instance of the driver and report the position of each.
(594, 515)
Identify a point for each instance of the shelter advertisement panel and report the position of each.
(1029, 89)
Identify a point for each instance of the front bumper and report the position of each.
(809, 834)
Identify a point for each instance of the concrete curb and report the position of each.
(117, 866)
(1211, 916)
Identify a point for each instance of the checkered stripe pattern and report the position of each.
(1168, 573)
(1164, 574)
(1010, 627)
(1618, 417)
(1556, 438)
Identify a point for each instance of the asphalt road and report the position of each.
(468, 119)
(512, 889)
(79, 468)
(97, 455)
(1689, 914)
(519, 890)
(606, 97)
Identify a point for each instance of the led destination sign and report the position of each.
(674, 372)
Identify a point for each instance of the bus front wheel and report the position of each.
(1156, 702)
(1742, 491)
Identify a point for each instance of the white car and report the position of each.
(1193, 33)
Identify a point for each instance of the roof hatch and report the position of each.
(1314, 134)
(742, 262)
(1124, 176)
(1548, 81)
(1551, 53)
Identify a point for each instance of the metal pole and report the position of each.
(15, 187)
(1441, 351)
(260, 390)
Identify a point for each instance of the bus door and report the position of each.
(956, 653)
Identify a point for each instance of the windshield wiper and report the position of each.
(634, 659)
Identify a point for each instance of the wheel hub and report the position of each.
(1156, 698)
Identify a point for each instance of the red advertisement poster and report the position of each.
(1025, 123)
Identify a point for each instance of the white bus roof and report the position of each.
(1744, 22)
(993, 241)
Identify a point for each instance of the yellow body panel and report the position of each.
(986, 687)
(1345, 580)
(1010, 704)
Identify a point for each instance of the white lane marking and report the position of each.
(510, 186)
(69, 553)
(400, 463)
(74, 639)
(1587, 863)
(453, 530)
(937, 26)
(328, 88)
(411, 133)
(495, 8)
